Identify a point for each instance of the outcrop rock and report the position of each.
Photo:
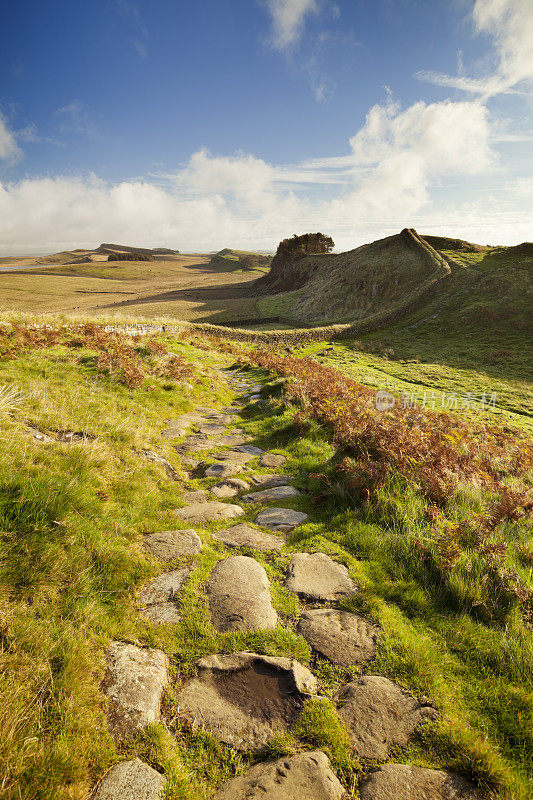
(343, 638)
(244, 699)
(167, 545)
(157, 458)
(403, 782)
(239, 596)
(208, 512)
(245, 536)
(280, 519)
(379, 715)
(272, 495)
(133, 683)
(130, 780)
(306, 776)
(318, 577)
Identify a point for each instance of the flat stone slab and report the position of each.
(306, 776)
(167, 545)
(379, 715)
(403, 782)
(130, 780)
(317, 577)
(249, 448)
(280, 519)
(229, 440)
(245, 536)
(194, 496)
(222, 470)
(244, 699)
(230, 487)
(269, 481)
(159, 597)
(238, 591)
(210, 428)
(271, 495)
(272, 460)
(208, 512)
(133, 684)
(233, 457)
(343, 638)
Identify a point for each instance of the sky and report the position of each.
(236, 123)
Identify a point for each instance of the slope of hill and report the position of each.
(350, 286)
(228, 259)
(419, 520)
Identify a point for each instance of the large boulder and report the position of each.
(343, 638)
(244, 699)
(379, 715)
(130, 780)
(403, 782)
(133, 684)
(317, 577)
(239, 596)
(306, 776)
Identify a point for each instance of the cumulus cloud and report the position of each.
(510, 25)
(382, 184)
(9, 149)
(288, 20)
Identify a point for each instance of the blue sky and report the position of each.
(237, 123)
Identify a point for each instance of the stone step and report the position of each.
(211, 511)
(306, 776)
(133, 684)
(272, 460)
(398, 781)
(379, 715)
(243, 535)
(272, 495)
(230, 487)
(280, 519)
(158, 598)
(317, 577)
(168, 545)
(130, 780)
(238, 591)
(343, 638)
(245, 699)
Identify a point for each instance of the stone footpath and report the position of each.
(245, 699)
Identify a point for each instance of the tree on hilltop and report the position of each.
(307, 244)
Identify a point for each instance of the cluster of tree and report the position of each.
(130, 257)
(305, 245)
(253, 260)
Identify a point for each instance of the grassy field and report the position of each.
(179, 287)
(73, 516)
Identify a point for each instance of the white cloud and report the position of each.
(9, 149)
(384, 183)
(510, 24)
(288, 20)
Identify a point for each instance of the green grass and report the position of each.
(73, 516)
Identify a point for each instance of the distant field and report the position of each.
(182, 287)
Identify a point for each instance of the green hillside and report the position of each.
(427, 512)
(228, 260)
